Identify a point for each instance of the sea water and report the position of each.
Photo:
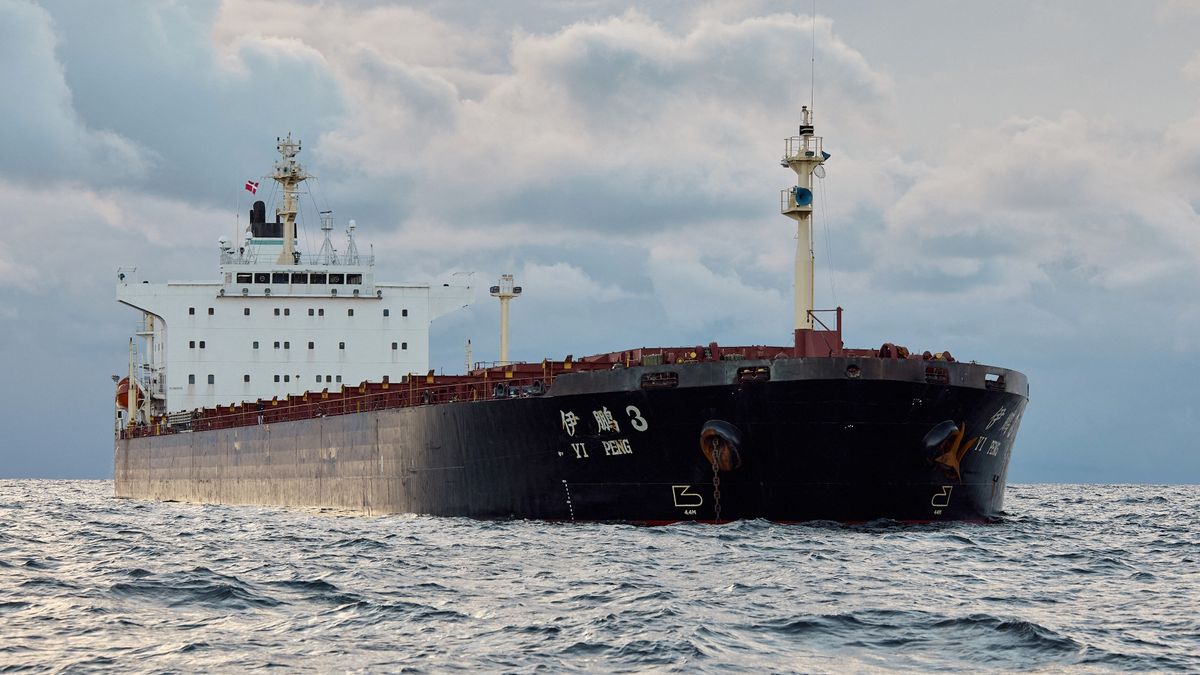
(1092, 577)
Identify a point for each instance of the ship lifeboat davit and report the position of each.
(123, 393)
(721, 443)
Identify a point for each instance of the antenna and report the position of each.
(327, 256)
(812, 72)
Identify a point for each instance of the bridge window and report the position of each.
(211, 379)
(191, 379)
(403, 345)
(287, 345)
(245, 278)
(245, 378)
(329, 378)
(321, 312)
(191, 344)
(246, 311)
(387, 313)
(202, 344)
(287, 311)
(354, 278)
(276, 378)
(277, 344)
(341, 345)
(339, 378)
(310, 311)
(404, 312)
(256, 344)
(276, 311)
(192, 311)
(287, 378)
(210, 311)
(337, 278)
(311, 345)
(318, 379)
(350, 312)
(395, 346)
(299, 278)
(279, 277)
(316, 278)
(262, 278)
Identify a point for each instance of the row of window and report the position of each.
(192, 344)
(288, 312)
(298, 278)
(286, 378)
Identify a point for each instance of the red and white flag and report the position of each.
(251, 187)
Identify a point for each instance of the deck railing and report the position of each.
(249, 258)
(801, 147)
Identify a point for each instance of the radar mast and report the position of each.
(803, 154)
(289, 174)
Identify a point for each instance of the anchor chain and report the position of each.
(716, 480)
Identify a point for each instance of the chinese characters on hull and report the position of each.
(606, 423)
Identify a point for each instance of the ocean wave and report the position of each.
(1091, 577)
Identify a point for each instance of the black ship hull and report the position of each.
(841, 439)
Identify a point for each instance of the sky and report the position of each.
(1016, 182)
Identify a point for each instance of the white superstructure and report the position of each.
(277, 322)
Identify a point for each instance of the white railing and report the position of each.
(787, 201)
(803, 147)
(310, 259)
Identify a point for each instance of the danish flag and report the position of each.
(251, 187)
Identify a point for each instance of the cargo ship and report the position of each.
(301, 380)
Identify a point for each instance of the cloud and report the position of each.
(622, 122)
(14, 273)
(1012, 203)
(42, 134)
(568, 284)
(712, 297)
(63, 242)
(149, 73)
(1191, 69)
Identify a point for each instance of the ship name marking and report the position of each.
(1010, 424)
(997, 417)
(636, 420)
(605, 421)
(580, 450)
(569, 420)
(619, 446)
(993, 448)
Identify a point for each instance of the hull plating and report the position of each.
(812, 443)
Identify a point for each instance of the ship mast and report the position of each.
(804, 155)
(289, 174)
(506, 291)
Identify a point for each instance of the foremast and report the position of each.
(804, 155)
(289, 174)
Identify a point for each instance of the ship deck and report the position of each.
(505, 381)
